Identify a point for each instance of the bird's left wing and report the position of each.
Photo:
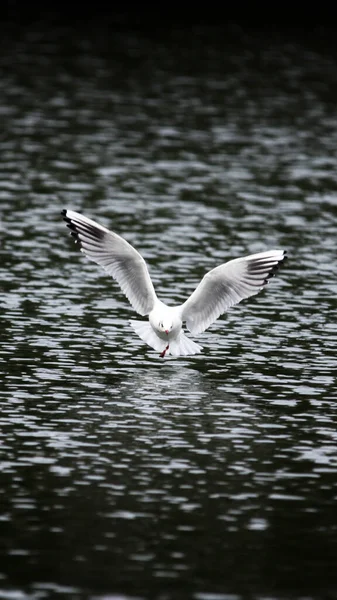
(117, 257)
(227, 285)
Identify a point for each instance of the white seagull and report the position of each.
(220, 288)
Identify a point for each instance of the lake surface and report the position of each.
(123, 475)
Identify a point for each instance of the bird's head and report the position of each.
(165, 326)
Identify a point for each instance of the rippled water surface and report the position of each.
(123, 475)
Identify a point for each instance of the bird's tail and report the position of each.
(146, 333)
(181, 346)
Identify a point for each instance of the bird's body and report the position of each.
(220, 288)
(164, 332)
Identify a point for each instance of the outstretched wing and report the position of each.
(227, 285)
(117, 257)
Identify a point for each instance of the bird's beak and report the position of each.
(166, 331)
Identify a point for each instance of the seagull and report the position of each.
(220, 288)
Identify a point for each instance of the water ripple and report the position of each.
(122, 472)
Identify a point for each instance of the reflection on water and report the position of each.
(124, 475)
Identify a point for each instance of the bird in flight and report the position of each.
(220, 288)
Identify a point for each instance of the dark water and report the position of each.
(123, 475)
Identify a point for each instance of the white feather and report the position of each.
(183, 346)
(179, 346)
(220, 288)
(117, 257)
(227, 285)
(148, 335)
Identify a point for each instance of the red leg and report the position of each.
(162, 354)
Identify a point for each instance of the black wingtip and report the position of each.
(69, 222)
(70, 225)
(65, 217)
(276, 268)
(284, 258)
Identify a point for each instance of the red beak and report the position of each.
(166, 331)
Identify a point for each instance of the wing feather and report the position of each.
(227, 285)
(117, 257)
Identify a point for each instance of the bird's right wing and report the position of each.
(227, 285)
(117, 257)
